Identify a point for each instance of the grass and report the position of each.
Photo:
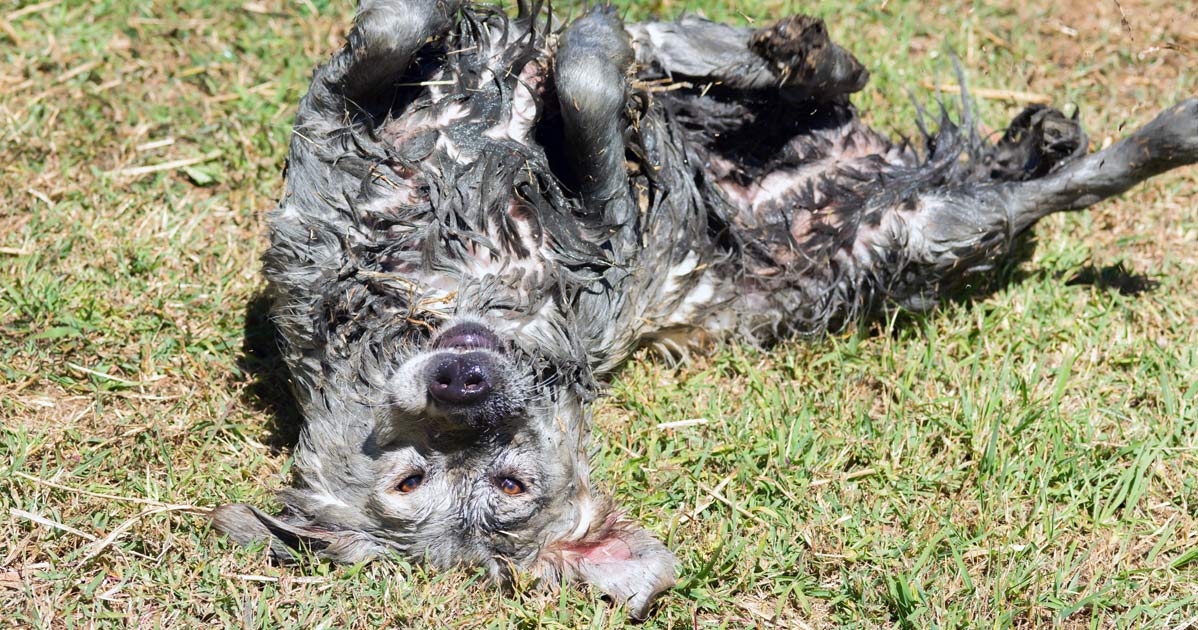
(1020, 458)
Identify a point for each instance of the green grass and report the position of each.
(1021, 458)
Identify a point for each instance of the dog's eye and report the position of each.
(510, 486)
(409, 483)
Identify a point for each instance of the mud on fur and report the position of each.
(485, 216)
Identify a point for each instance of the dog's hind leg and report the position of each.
(591, 63)
(943, 233)
(1168, 141)
(794, 55)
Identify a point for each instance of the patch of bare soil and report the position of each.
(1124, 47)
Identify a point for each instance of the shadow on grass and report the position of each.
(1008, 271)
(1116, 277)
(269, 391)
(1011, 270)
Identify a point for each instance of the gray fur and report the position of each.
(473, 196)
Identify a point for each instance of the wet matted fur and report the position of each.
(485, 216)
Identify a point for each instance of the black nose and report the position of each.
(460, 379)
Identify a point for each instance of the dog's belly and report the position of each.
(808, 193)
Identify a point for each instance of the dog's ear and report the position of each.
(616, 555)
(290, 537)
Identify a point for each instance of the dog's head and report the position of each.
(477, 456)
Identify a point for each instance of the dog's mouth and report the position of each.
(467, 336)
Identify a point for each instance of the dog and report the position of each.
(486, 215)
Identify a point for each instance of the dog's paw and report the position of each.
(1038, 141)
(800, 53)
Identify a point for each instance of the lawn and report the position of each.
(1021, 457)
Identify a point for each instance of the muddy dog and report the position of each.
(484, 216)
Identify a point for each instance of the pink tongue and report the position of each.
(612, 550)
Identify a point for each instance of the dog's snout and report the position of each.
(460, 379)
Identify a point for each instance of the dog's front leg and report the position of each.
(335, 154)
(385, 38)
(591, 63)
